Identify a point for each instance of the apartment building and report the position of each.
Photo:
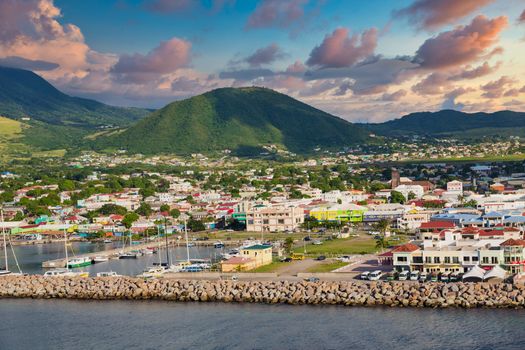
(274, 219)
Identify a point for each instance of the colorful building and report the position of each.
(339, 212)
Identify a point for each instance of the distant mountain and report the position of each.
(453, 123)
(239, 119)
(25, 94)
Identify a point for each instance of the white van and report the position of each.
(423, 276)
(403, 275)
(375, 276)
(364, 275)
(414, 275)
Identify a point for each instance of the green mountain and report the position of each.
(238, 119)
(25, 94)
(453, 123)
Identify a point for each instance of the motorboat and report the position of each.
(100, 258)
(218, 245)
(79, 262)
(108, 241)
(65, 273)
(153, 272)
(127, 255)
(107, 274)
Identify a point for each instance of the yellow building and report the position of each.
(339, 212)
(251, 258)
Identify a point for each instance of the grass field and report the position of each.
(10, 133)
(327, 266)
(365, 244)
(274, 266)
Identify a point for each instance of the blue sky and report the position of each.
(361, 60)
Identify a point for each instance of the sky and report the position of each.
(364, 61)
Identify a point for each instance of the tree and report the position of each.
(129, 219)
(144, 209)
(381, 242)
(382, 226)
(165, 208)
(196, 225)
(288, 244)
(108, 209)
(411, 195)
(175, 213)
(471, 204)
(397, 197)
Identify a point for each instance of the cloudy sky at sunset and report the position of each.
(367, 60)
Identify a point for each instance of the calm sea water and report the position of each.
(66, 324)
(31, 257)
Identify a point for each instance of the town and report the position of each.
(407, 221)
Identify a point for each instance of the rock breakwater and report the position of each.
(441, 295)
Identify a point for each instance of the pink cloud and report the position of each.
(340, 50)
(511, 93)
(394, 96)
(296, 68)
(462, 45)
(496, 88)
(480, 71)
(165, 58)
(433, 84)
(167, 6)
(276, 13)
(265, 55)
(522, 17)
(432, 14)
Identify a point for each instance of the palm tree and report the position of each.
(382, 226)
(381, 242)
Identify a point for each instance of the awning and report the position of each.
(496, 272)
(474, 275)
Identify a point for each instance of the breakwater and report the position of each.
(467, 295)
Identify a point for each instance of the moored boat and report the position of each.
(100, 258)
(79, 262)
(107, 274)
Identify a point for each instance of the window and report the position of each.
(428, 259)
(266, 221)
(475, 258)
(447, 259)
(485, 260)
(280, 221)
(466, 258)
(455, 260)
(402, 259)
(436, 260)
(494, 259)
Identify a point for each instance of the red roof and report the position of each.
(437, 224)
(513, 242)
(407, 247)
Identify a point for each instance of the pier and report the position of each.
(114, 253)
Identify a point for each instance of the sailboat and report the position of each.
(66, 272)
(130, 254)
(5, 271)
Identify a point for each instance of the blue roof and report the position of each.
(514, 219)
(493, 214)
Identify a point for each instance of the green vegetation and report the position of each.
(274, 266)
(328, 266)
(236, 119)
(454, 123)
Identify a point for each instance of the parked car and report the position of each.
(344, 258)
(375, 276)
(320, 258)
(433, 277)
(403, 275)
(307, 238)
(364, 275)
(312, 279)
(390, 276)
(423, 276)
(445, 277)
(286, 259)
(455, 276)
(317, 242)
(414, 275)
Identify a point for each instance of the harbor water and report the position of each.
(30, 257)
(70, 324)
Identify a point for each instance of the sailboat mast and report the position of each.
(166, 238)
(186, 235)
(65, 246)
(5, 241)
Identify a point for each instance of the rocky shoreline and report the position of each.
(436, 295)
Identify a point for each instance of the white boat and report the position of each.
(65, 273)
(152, 272)
(108, 241)
(100, 258)
(79, 262)
(107, 274)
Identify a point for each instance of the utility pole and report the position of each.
(167, 246)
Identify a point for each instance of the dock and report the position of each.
(114, 253)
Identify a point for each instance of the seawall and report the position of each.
(467, 295)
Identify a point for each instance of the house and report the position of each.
(339, 212)
(251, 258)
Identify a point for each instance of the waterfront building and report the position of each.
(339, 213)
(250, 258)
(274, 219)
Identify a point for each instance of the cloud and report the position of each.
(433, 84)
(473, 73)
(276, 13)
(339, 50)
(265, 55)
(496, 88)
(296, 68)
(168, 6)
(165, 58)
(450, 98)
(462, 45)
(522, 89)
(522, 17)
(432, 14)
(23, 63)
(394, 96)
(246, 74)
(511, 93)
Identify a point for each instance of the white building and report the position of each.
(274, 219)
